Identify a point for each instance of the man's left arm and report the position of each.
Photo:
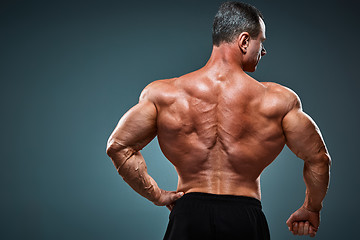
(134, 131)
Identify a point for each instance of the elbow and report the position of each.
(324, 159)
(118, 153)
(110, 150)
(320, 164)
(320, 158)
(328, 160)
(112, 147)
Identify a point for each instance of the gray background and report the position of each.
(70, 70)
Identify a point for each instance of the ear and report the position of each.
(243, 41)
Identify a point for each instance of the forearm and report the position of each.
(316, 177)
(133, 170)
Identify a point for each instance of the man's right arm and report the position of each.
(303, 137)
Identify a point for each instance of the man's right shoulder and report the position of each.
(284, 94)
(157, 88)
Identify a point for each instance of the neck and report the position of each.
(224, 60)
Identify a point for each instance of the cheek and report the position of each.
(255, 51)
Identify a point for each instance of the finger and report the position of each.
(312, 232)
(314, 228)
(306, 228)
(301, 228)
(179, 195)
(295, 228)
(173, 196)
(176, 196)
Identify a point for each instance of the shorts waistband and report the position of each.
(230, 199)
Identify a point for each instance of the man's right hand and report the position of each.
(168, 198)
(304, 222)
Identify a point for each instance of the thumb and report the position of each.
(178, 195)
(289, 222)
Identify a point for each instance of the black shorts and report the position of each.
(210, 216)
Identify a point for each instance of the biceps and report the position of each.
(137, 127)
(303, 136)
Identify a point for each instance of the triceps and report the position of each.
(133, 132)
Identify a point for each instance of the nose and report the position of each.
(263, 51)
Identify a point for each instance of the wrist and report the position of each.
(312, 207)
(156, 196)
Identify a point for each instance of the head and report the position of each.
(243, 25)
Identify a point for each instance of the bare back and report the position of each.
(219, 134)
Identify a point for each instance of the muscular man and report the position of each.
(220, 128)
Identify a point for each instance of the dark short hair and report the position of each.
(234, 18)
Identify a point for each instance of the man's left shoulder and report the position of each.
(284, 95)
(273, 86)
(279, 89)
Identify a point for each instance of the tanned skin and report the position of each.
(221, 128)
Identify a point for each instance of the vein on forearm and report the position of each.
(316, 177)
(134, 172)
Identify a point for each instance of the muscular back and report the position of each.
(219, 133)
